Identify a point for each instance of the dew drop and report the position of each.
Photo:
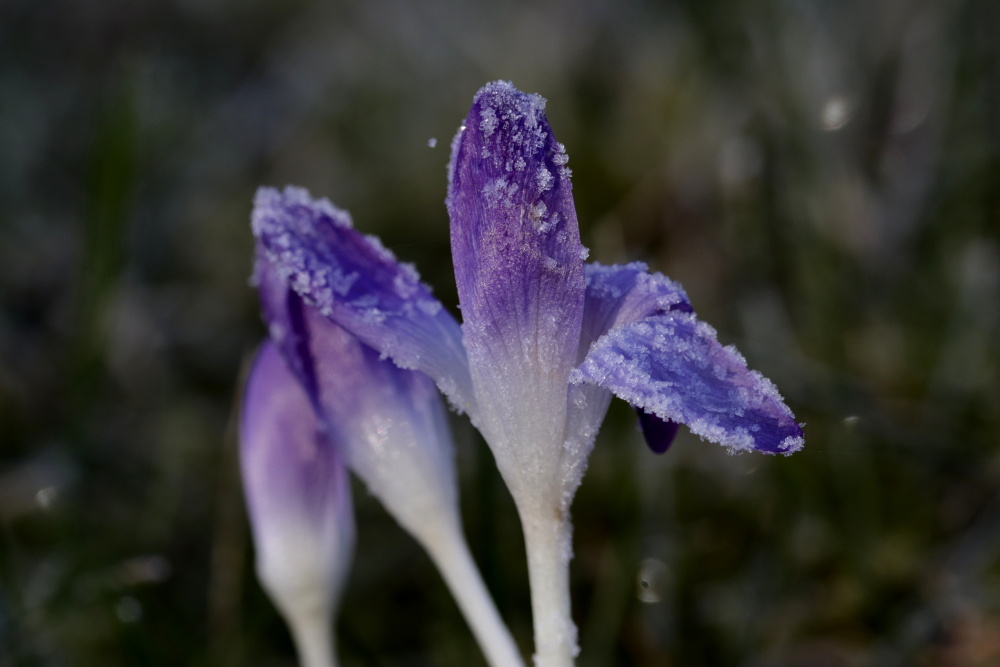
(651, 580)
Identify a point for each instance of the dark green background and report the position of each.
(823, 178)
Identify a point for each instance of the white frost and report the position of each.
(489, 121)
(544, 178)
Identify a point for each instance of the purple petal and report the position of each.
(618, 295)
(615, 295)
(659, 433)
(392, 421)
(672, 366)
(295, 483)
(354, 281)
(517, 253)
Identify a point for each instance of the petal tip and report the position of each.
(503, 98)
(507, 133)
(792, 443)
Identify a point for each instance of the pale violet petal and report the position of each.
(393, 427)
(297, 491)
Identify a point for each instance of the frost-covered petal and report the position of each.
(518, 265)
(297, 492)
(515, 239)
(354, 281)
(621, 294)
(672, 366)
(658, 433)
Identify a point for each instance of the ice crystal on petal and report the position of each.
(544, 178)
(489, 122)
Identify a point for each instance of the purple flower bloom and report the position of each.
(299, 501)
(546, 339)
(392, 428)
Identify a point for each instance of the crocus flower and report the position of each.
(545, 340)
(299, 502)
(392, 428)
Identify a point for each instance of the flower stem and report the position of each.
(451, 554)
(548, 540)
(313, 640)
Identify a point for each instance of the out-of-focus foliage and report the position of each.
(823, 177)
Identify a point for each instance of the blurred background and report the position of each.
(823, 177)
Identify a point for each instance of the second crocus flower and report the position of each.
(392, 428)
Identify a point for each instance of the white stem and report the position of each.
(548, 536)
(313, 638)
(451, 555)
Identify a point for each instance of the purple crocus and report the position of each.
(299, 501)
(392, 428)
(546, 339)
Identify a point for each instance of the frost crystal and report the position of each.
(544, 178)
(489, 122)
